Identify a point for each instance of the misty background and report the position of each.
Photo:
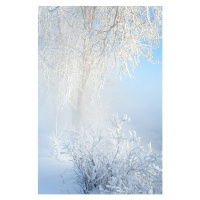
(139, 97)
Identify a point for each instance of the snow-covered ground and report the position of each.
(54, 176)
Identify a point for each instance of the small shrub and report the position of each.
(115, 163)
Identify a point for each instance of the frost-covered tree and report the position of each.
(80, 46)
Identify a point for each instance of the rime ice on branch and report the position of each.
(80, 46)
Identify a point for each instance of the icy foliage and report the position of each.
(80, 46)
(57, 145)
(114, 163)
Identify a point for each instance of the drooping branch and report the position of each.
(78, 45)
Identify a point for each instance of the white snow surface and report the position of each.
(54, 176)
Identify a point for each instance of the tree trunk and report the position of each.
(79, 113)
(81, 109)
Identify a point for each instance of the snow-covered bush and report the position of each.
(58, 145)
(114, 162)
